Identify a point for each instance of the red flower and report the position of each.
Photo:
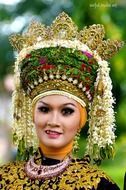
(89, 69)
(83, 66)
(87, 87)
(28, 56)
(46, 67)
(87, 78)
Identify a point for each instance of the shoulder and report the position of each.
(85, 174)
(84, 167)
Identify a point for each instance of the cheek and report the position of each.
(76, 120)
(74, 124)
(38, 120)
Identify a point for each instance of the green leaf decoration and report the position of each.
(75, 71)
(65, 60)
(103, 153)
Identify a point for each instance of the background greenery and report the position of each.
(112, 14)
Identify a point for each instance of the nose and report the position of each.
(54, 120)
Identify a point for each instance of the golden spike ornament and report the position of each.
(63, 28)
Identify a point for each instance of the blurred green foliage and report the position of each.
(115, 168)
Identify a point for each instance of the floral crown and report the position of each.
(60, 60)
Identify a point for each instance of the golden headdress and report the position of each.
(60, 60)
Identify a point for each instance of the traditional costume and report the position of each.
(59, 60)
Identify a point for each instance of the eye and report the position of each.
(67, 111)
(43, 109)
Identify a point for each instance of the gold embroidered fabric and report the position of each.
(78, 176)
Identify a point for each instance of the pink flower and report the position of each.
(46, 67)
(87, 54)
(43, 60)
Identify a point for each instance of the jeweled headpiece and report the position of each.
(60, 60)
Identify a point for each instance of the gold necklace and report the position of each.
(35, 171)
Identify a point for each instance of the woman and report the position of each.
(61, 78)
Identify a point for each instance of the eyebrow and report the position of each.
(65, 104)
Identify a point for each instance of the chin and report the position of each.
(55, 145)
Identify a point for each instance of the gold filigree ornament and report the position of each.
(60, 54)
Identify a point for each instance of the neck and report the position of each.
(56, 153)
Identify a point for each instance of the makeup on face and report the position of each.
(56, 119)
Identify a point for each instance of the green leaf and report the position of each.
(75, 71)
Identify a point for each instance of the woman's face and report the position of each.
(57, 120)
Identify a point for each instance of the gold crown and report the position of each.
(63, 28)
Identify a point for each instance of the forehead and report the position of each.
(57, 99)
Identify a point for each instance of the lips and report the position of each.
(53, 134)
